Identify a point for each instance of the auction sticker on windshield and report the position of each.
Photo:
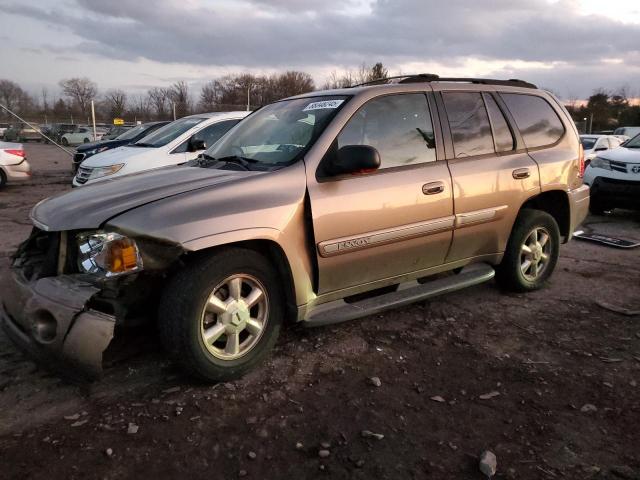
(322, 105)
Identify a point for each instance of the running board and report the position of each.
(341, 311)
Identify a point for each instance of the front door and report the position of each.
(391, 222)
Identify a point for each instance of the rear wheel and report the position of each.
(64, 142)
(220, 317)
(532, 252)
(3, 178)
(86, 140)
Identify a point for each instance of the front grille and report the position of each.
(618, 166)
(83, 174)
(78, 157)
(37, 256)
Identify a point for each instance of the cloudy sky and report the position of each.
(570, 46)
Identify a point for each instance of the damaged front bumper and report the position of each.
(49, 317)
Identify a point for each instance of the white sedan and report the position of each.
(82, 135)
(593, 144)
(13, 163)
(175, 143)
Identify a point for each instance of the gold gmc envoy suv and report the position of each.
(319, 208)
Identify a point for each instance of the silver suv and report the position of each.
(318, 208)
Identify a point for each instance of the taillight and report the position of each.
(19, 153)
(581, 160)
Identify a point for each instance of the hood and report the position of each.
(92, 205)
(622, 154)
(118, 155)
(85, 147)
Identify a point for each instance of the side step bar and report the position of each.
(341, 311)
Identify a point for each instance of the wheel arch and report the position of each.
(556, 204)
(271, 250)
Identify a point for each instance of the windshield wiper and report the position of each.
(244, 162)
(142, 144)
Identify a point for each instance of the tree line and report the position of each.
(603, 110)
(230, 92)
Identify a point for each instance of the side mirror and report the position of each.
(355, 159)
(601, 149)
(198, 144)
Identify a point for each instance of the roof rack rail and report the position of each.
(431, 77)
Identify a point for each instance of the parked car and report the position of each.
(175, 143)
(13, 163)
(3, 128)
(115, 131)
(21, 133)
(614, 178)
(628, 131)
(593, 144)
(128, 137)
(319, 208)
(57, 130)
(82, 134)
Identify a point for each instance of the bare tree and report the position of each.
(116, 103)
(81, 91)
(158, 99)
(179, 95)
(210, 96)
(12, 96)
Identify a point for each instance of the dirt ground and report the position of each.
(561, 372)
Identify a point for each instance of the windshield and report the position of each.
(588, 142)
(132, 132)
(279, 133)
(634, 142)
(169, 132)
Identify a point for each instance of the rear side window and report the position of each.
(502, 135)
(469, 124)
(537, 121)
(398, 126)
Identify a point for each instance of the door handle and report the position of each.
(433, 188)
(521, 173)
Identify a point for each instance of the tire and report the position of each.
(597, 206)
(86, 140)
(182, 319)
(513, 274)
(64, 142)
(3, 178)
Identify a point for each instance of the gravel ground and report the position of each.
(548, 381)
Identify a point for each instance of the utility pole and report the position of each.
(591, 124)
(248, 96)
(174, 111)
(93, 118)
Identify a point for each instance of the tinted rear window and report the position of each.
(501, 132)
(537, 121)
(469, 123)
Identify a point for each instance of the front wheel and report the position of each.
(64, 142)
(220, 317)
(532, 252)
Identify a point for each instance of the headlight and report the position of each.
(96, 150)
(99, 172)
(108, 254)
(599, 162)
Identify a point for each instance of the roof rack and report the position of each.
(431, 77)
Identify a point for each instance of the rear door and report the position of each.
(491, 171)
(391, 222)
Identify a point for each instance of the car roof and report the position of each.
(220, 115)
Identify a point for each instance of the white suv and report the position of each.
(614, 178)
(173, 144)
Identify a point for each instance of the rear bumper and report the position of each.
(578, 206)
(18, 173)
(49, 318)
(617, 193)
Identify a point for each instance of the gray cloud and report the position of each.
(282, 33)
